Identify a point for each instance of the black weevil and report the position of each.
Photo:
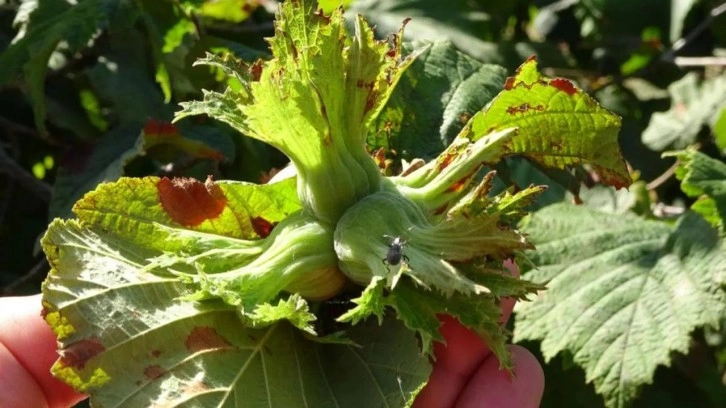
(395, 252)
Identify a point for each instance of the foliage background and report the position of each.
(88, 88)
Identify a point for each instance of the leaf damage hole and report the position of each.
(205, 338)
(190, 202)
(77, 354)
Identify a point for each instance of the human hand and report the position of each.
(27, 351)
(466, 374)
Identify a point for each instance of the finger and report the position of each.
(455, 362)
(457, 359)
(464, 350)
(508, 303)
(17, 387)
(492, 387)
(28, 350)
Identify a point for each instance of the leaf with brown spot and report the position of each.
(208, 357)
(204, 338)
(78, 353)
(167, 135)
(143, 210)
(559, 125)
(564, 86)
(189, 201)
(153, 372)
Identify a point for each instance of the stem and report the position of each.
(682, 42)
(700, 61)
(663, 177)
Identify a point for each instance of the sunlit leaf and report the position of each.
(704, 178)
(558, 125)
(623, 293)
(128, 338)
(85, 168)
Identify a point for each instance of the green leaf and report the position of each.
(128, 340)
(30, 53)
(171, 32)
(121, 78)
(234, 11)
(693, 105)
(607, 199)
(419, 309)
(623, 293)
(644, 90)
(719, 131)
(434, 99)
(91, 105)
(144, 209)
(614, 19)
(558, 124)
(293, 309)
(106, 162)
(704, 178)
(329, 5)
(456, 18)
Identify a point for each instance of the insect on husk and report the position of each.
(395, 252)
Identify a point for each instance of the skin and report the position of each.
(465, 374)
(27, 351)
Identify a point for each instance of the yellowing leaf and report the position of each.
(559, 125)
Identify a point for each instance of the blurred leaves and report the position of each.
(693, 105)
(473, 27)
(41, 31)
